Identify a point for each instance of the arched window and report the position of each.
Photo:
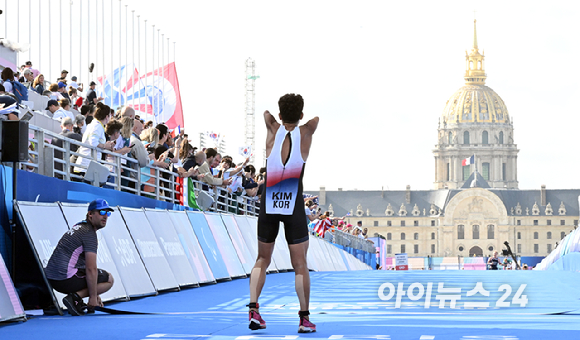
(475, 232)
(402, 236)
(465, 137)
(501, 137)
(450, 138)
(484, 138)
(460, 232)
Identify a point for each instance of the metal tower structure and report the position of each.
(250, 106)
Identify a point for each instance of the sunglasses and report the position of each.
(105, 212)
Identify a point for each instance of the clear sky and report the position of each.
(378, 74)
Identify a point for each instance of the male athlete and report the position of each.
(287, 148)
(72, 268)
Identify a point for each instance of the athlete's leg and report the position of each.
(301, 273)
(102, 287)
(258, 274)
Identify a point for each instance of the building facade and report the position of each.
(473, 209)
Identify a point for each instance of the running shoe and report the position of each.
(71, 302)
(256, 321)
(306, 326)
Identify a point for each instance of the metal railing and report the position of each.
(48, 159)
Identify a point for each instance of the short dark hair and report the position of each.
(113, 126)
(291, 106)
(163, 130)
(250, 168)
(210, 152)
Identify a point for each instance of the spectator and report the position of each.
(79, 124)
(55, 93)
(149, 124)
(113, 130)
(92, 98)
(75, 99)
(312, 211)
(38, 84)
(248, 182)
(62, 90)
(63, 75)
(188, 160)
(164, 134)
(95, 136)
(28, 79)
(155, 159)
(212, 159)
(138, 152)
(67, 131)
(7, 76)
(88, 111)
(8, 100)
(35, 72)
(128, 111)
(63, 111)
(150, 138)
(52, 106)
(75, 85)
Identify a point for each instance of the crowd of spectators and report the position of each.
(155, 150)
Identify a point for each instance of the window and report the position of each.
(549, 222)
(562, 222)
(403, 248)
(490, 232)
(388, 236)
(490, 248)
(447, 172)
(501, 138)
(466, 172)
(485, 171)
(460, 232)
(450, 138)
(416, 249)
(562, 235)
(432, 249)
(549, 248)
(389, 249)
(575, 222)
(416, 236)
(432, 223)
(519, 235)
(535, 222)
(432, 236)
(519, 222)
(389, 223)
(416, 223)
(549, 235)
(536, 248)
(535, 235)
(475, 232)
(519, 248)
(466, 138)
(503, 171)
(402, 236)
(402, 223)
(376, 223)
(484, 138)
(460, 248)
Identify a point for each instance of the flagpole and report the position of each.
(145, 56)
(163, 63)
(49, 41)
(103, 49)
(153, 73)
(126, 52)
(70, 37)
(60, 34)
(30, 31)
(40, 35)
(112, 80)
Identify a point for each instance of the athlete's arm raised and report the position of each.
(306, 132)
(271, 126)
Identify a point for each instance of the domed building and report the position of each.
(475, 122)
(474, 208)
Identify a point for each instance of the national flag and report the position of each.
(468, 161)
(246, 151)
(322, 226)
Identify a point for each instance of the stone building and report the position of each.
(473, 209)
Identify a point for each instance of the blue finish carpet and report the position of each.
(344, 305)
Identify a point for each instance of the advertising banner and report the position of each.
(401, 261)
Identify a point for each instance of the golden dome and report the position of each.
(475, 102)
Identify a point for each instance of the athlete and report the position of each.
(72, 267)
(287, 148)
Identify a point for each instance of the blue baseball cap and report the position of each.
(99, 204)
(61, 84)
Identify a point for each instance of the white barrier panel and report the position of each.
(171, 245)
(74, 214)
(312, 260)
(44, 236)
(224, 244)
(149, 249)
(208, 245)
(10, 306)
(281, 250)
(192, 247)
(336, 257)
(238, 241)
(320, 252)
(253, 224)
(250, 235)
